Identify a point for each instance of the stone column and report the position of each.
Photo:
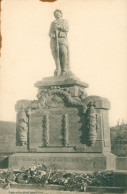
(22, 122)
(102, 106)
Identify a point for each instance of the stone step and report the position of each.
(59, 189)
(106, 189)
(17, 191)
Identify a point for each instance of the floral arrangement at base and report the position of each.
(40, 174)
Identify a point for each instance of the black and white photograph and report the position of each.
(63, 96)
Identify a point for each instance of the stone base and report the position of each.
(121, 163)
(63, 80)
(64, 161)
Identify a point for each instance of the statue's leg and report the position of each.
(64, 58)
(58, 70)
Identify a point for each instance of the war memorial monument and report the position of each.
(64, 128)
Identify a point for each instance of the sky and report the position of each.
(97, 41)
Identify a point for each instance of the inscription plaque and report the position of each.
(62, 161)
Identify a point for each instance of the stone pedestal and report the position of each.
(64, 127)
(64, 161)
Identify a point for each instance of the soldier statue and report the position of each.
(59, 44)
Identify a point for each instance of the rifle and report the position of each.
(57, 54)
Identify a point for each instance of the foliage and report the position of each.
(78, 182)
(119, 139)
(39, 174)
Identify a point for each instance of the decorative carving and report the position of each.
(91, 123)
(82, 94)
(28, 111)
(21, 127)
(69, 100)
(22, 104)
(66, 96)
(65, 130)
(42, 95)
(35, 104)
(51, 97)
(45, 133)
(54, 91)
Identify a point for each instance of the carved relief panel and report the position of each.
(61, 122)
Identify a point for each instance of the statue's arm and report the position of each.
(65, 26)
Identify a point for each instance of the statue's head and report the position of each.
(58, 14)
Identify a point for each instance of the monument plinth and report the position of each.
(63, 80)
(63, 128)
